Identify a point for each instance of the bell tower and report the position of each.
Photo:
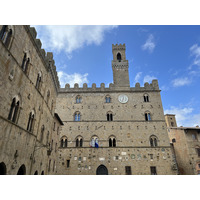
(120, 66)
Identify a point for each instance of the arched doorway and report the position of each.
(102, 170)
(42, 173)
(2, 168)
(36, 173)
(22, 170)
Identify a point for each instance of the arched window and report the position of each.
(77, 116)
(153, 141)
(119, 57)
(39, 81)
(109, 116)
(31, 121)
(78, 99)
(63, 142)
(147, 116)
(6, 35)
(112, 141)
(79, 141)
(36, 172)
(48, 96)
(42, 133)
(108, 99)
(49, 168)
(94, 142)
(14, 110)
(146, 98)
(25, 63)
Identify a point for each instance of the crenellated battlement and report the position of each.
(147, 87)
(118, 47)
(46, 57)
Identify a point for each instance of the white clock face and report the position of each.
(123, 98)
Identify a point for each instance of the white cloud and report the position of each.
(184, 116)
(150, 44)
(148, 78)
(195, 51)
(164, 88)
(181, 82)
(70, 38)
(137, 77)
(72, 79)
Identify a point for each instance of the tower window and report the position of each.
(146, 98)
(119, 57)
(25, 63)
(39, 80)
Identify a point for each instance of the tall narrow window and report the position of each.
(79, 141)
(49, 168)
(77, 116)
(119, 57)
(94, 142)
(128, 170)
(68, 163)
(153, 171)
(147, 116)
(47, 142)
(30, 122)
(153, 141)
(112, 141)
(146, 98)
(78, 99)
(108, 99)
(109, 116)
(14, 110)
(63, 142)
(6, 35)
(25, 63)
(38, 81)
(48, 96)
(198, 151)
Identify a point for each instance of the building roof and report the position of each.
(58, 118)
(185, 128)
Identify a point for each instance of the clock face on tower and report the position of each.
(123, 98)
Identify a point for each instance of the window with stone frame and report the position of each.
(128, 170)
(6, 35)
(107, 99)
(147, 116)
(77, 116)
(63, 142)
(79, 141)
(153, 141)
(78, 99)
(109, 116)
(14, 110)
(119, 57)
(31, 119)
(153, 170)
(112, 141)
(39, 81)
(146, 98)
(94, 142)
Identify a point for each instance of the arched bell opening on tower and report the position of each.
(119, 57)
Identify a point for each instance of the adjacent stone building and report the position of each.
(186, 143)
(45, 129)
(28, 89)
